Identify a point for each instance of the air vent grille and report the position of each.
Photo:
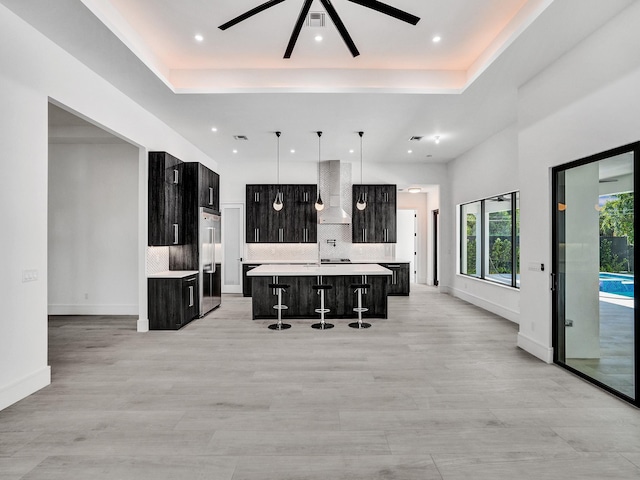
(240, 137)
(416, 138)
(315, 19)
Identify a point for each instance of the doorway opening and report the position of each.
(407, 240)
(595, 320)
(93, 220)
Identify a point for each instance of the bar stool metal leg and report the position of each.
(279, 307)
(322, 325)
(359, 287)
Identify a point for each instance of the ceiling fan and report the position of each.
(333, 14)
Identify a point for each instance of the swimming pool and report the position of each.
(617, 283)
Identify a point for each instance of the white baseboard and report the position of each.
(93, 309)
(16, 391)
(535, 348)
(143, 325)
(487, 305)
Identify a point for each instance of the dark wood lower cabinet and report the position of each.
(246, 281)
(302, 300)
(398, 283)
(172, 302)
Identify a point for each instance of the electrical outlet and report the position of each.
(29, 276)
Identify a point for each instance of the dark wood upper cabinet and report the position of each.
(295, 223)
(166, 221)
(377, 222)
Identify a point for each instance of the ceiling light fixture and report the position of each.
(293, 150)
(235, 151)
(214, 129)
(198, 38)
(318, 38)
(414, 190)
(319, 204)
(409, 151)
(437, 139)
(277, 203)
(436, 39)
(361, 204)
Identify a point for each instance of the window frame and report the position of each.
(482, 248)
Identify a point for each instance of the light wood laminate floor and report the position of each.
(437, 391)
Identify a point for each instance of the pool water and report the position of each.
(617, 283)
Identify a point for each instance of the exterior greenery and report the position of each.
(616, 221)
(489, 231)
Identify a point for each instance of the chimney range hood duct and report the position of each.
(330, 180)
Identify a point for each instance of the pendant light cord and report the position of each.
(278, 157)
(319, 157)
(361, 134)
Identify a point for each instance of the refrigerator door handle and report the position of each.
(213, 250)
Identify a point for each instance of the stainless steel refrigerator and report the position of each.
(210, 260)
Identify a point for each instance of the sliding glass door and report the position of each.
(595, 319)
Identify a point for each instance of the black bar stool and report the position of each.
(358, 288)
(322, 325)
(280, 287)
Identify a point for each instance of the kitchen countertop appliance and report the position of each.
(210, 262)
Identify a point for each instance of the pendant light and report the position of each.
(361, 204)
(319, 204)
(277, 203)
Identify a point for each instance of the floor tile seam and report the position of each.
(436, 466)
(624, 455)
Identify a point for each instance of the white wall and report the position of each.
(585, 103)
(93, 229)
(489, 169)
(35, 70)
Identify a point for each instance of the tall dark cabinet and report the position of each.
(377, 222)
(166, 219)
(295, 223)
(200, 189)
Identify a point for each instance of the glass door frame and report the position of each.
(558, 339)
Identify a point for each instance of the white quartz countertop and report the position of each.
(277, 262)
(173, 274)
(313, 270)
(302, 262)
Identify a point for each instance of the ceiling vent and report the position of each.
(416, 138)
(240, 137)
(315, 19)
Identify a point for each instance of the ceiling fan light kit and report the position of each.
(333, 14)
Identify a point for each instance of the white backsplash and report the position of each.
(157, 260)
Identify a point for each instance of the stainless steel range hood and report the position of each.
(333, 212)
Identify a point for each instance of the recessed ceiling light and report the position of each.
(318, 38)
(214, 129)
(414, 190)
(436, 39)
(351, 150)
(437, 139)
(235, 151)
(409, 151)
(293, 150)
(198, 38)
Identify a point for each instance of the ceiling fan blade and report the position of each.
(340, 26)
(388, 10)
(250, 13)
(298, 26)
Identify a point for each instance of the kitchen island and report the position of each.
(302, 300)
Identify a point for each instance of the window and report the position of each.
(471, 230)
(490, 239)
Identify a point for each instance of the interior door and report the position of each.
(595, 320)
(232, 246)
